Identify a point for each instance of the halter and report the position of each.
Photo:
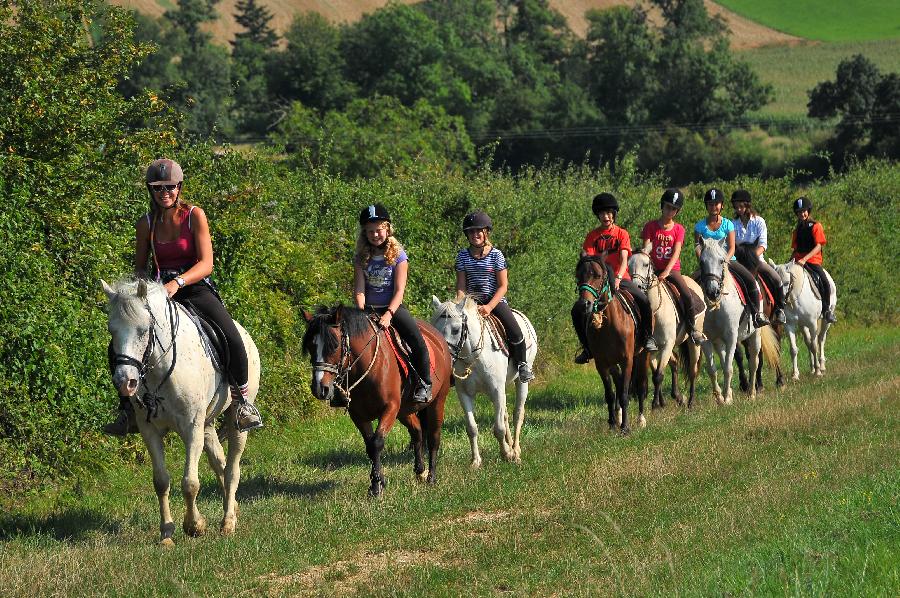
(150, 400)
(649, 279)
(720, 278)
(456, 348)
(341, 369)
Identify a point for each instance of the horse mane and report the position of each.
(355, 322)
(127, 304)
(468, 303)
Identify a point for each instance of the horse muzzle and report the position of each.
(126, 380)
(322, 391)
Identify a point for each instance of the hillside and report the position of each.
(746, 33)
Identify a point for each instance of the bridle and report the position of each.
(457, 347)
(710, 276)
(645, 281)
(602, 296)
(144, 366)
(345, 362)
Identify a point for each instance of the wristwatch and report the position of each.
(180, 282)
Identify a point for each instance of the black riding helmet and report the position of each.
(672, 197)
(740, 196)
(605, 201)
(714, 196)
(802, 203)
(373, 213)
(478, 220)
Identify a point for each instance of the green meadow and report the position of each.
(792, 494)
(849, 20)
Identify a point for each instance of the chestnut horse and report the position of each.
(610, 333)
(352, 355)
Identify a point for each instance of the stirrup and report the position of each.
(779, 316)
(525, 373)
(422, 394)
(247, 417)
(760, 320)
(650, 343)
(830, 317)
(697, 337)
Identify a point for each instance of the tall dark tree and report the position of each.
(188, 17)
(255, 19)
(866, 103)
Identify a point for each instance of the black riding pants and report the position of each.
(773, 281)
(406, 326)
(748, 283)
(206, 302)
(643, 305)
(822, 281)
(513, 331)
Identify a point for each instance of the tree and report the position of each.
(866, 103)
(188, 17)
(255, 20)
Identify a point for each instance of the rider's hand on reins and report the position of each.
(171, 288)
(385, 320)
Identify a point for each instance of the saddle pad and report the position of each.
(214, 344)
(403, 354)
(740, 291)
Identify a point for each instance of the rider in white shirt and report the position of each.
(750, 229)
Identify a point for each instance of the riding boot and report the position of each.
(518, 355)
(760, 319)
(779, 315)
(247, 416)
(579, 323)
(422, 393)
(125, 422)
(829, 316)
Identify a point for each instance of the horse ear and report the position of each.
(307, 316)
(142, 289)
(435, 303)
(110, 293)
(771, 262)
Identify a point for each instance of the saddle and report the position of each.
(215, 345)
(818, 282)
(630, 306)
(401, 350)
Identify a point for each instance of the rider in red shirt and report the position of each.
(611, 239)
(807, 243)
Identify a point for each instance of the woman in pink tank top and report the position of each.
(173, 240)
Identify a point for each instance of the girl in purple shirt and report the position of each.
(380, 267)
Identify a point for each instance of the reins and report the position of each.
(457, 348)
(341, 372)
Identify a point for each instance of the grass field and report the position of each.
(795, 493)
(850, 20)
(794, 70)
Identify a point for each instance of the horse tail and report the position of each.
(684, 358)
(771, 347)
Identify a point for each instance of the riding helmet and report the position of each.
(605, 201)
(714, 196)
(373, 213)
(164, 172)
(478, 220)
(740, 196)
(672, 197)
(802, 203)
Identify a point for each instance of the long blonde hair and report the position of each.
(365, 250)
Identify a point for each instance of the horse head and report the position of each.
(456, 321)
(712, 268)
(593, 275)
(329, 334)
(792, 278)
(640, 267)
(746, 256)
(134, 328)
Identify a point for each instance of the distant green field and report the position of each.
(849, 20)
(793, 71)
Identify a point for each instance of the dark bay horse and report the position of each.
(610, 333)
(352, 355)
(746, 256)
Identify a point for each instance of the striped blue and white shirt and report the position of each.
(481, 273)
(755, 232)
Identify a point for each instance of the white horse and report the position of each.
(162, 364)
(803, 310)
(667, 329)
(480, 366)
(727, 322)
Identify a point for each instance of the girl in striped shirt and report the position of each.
(481, 273)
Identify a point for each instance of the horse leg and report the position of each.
(657, 367)
(236, 442)
(610, 398)
(519, 419)
(376, 446)
(215, 455)
(194, 523)
(434, 415)
(414, 425)
(823, 334)
(809, 339)
(161, 479)
(497, 394)
(468, 405)
(709, 353)
(693, 369)
(641, 380)
(739, 358)
(674, 392)
(753, 359)
(623, 387)
(792, 344)
(726, 355)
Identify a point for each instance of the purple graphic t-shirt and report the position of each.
(380, 280)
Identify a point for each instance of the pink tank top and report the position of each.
(174, 255)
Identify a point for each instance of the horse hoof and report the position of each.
(195, 529)
(228, 526)
(422, 476)
(626, 431)
(642, 422)
(167, 543)
(475, 464)
(431, 480)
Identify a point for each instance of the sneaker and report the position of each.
(248, 417)
(525, 373)
(760, 320)
(779, 316)
(125, 424)
(422, 394)
(583, 357)
(697, 337)
(830, 317)
(650, 344)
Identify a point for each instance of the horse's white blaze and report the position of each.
(480, 367)
(320, 357)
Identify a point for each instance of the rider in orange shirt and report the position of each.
(807, 243)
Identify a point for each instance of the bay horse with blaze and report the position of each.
(352, 355)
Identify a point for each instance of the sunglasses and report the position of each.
(161, 188)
